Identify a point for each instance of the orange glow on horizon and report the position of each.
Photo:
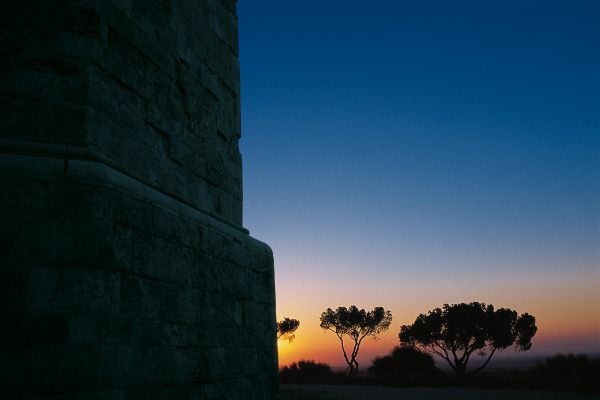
(324, 347)
(567, 315)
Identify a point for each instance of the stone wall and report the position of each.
(125, 271)
(149, 87)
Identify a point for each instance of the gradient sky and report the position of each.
(413, 153)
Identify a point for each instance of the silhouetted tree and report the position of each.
(456, 331)
(286, 328)
(403, 362)
(357, 325)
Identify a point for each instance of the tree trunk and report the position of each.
(352, 368)
(461, 370)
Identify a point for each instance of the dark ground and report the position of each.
(354, 392)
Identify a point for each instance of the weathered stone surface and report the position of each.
(148, 87)
(125, 272)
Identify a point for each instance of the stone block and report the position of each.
(38, 83)
(89, 243)
(215, 244)
(182, 305)
(73, 290)
(266, 284)
(241, 283)
(97, 329)
(156, 365)
(53, 123)
(76, 44)
(15, 370)
(14, 285)
(119, 248)
(14, 196)
(142, 298)
(117, 368)
(205, 274)
(135, 213)
(175, 228)
(83, 201)
(20, 330)
(60, 369)
(125, 63)
(160, 259)
(118, 100)
(31, 241)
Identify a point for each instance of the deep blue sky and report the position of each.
(455, 142)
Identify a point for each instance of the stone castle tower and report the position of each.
(125, 270)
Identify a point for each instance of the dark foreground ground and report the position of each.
(352, 392)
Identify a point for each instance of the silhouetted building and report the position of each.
(125, 271)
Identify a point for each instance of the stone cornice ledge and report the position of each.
(74, 164)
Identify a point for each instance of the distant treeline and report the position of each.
(409, 367)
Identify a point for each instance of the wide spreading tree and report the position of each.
(454, 332)
(286, 328)
(356, 325)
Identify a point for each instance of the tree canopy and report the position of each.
(356, 325)
(454, 332)
(286, 328)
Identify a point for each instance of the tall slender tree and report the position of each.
(356, 325)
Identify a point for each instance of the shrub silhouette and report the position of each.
(568, 372)
(403, 362)
(305, 370)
